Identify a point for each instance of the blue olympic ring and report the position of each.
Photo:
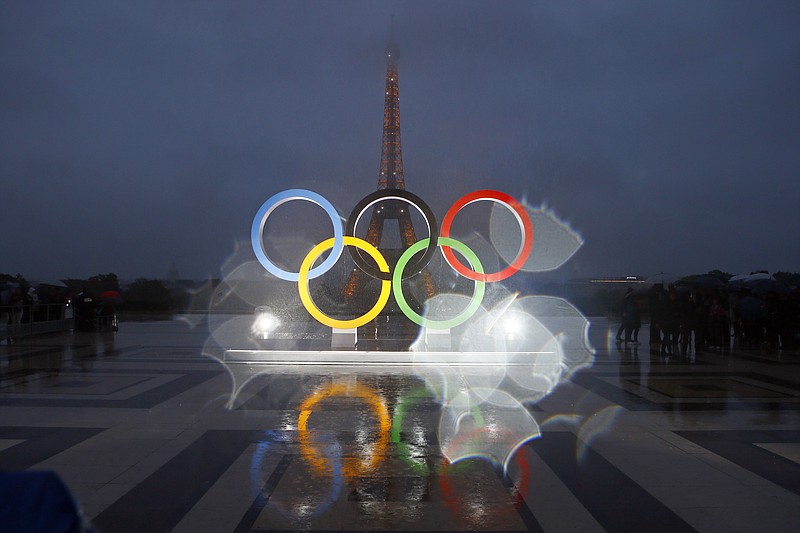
(257, 231)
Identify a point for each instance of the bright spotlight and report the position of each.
(511, 326)
(264, 323)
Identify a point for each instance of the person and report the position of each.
(85, 310)
(718, 329)
(655, 299)
(668, 320)
(106, 316)
(701, 306)
(693, 323)
(624, 326)
(633, 319)
(31, 301)
(5, 309)
(20, 304)
(787, 322)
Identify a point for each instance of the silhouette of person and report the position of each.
(84, 310)
(622, 315)
(634, 320)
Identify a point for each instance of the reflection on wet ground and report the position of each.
(142, 428)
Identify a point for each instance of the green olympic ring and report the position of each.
(403, 404)
(477, 294)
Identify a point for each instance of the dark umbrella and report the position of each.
(764, 286)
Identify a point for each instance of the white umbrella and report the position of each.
(746, 278)
(760, 283)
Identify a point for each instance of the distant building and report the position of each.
(589, 286)
(172, 275)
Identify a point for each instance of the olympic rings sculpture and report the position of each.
(407, 266)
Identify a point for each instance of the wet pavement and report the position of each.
(147, 433)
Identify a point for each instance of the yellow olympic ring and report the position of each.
(352, 466)
(305, 296)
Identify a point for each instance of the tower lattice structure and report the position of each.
(391, 177)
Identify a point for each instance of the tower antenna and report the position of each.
(390, 176)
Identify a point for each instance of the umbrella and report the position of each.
(759, 283)
(700, 281)
(764, 286)
(746, 278)
(743, 281)
(111, 297)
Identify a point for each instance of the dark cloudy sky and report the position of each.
(137, 134)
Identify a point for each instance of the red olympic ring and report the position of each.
(456, 503)
(525, 226)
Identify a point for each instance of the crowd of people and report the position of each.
(92, 314)
(22, 304)
(16, 308)
(708, 318)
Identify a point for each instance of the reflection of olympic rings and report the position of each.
(353, 466)
(405, 402)
(259, 482)
(456, 503)
(438, 237)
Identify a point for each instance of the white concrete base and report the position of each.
(343, 338)
(438, 339)
(382, 358)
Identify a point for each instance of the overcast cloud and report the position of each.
(134, 135)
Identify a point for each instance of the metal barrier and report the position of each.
(34, 319)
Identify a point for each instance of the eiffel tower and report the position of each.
(391, 177)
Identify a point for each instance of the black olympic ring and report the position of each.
(415, 265)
